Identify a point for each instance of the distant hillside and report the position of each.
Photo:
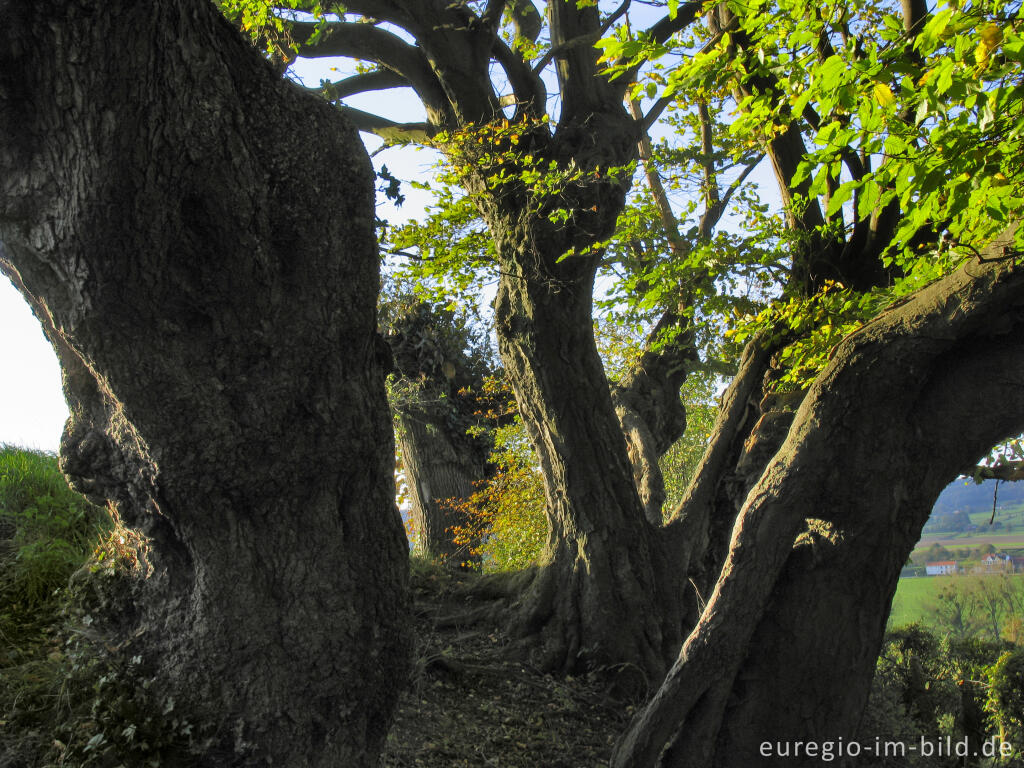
(966, 495)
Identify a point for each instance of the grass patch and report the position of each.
(916, 596)
(912, 597)
(64, 701)
(47, 531)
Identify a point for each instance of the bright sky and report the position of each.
(32, 408)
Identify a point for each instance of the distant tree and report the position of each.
(440, 366)
(954, 610)
(937, 553)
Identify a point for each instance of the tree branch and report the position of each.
(659, 33)
(669, 222)
(915, 13)
(381, 10)
(526, 20)
(365, 41)
(389, 130)
(668, 26)
(380, 80)
(527, 86)
(1007, 471)
(714, 212)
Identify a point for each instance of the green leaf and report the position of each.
(839, 197)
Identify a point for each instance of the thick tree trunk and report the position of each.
(785, 649)
(606, 594)
(197, 238)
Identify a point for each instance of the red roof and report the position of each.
(942, 562)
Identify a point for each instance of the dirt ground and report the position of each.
(471, 704)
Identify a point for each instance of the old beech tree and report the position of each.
(196, 236)
(185, 226)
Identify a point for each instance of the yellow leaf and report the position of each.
(992, 36)
(981, 54)
(883, 94)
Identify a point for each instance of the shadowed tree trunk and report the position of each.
(785, 649)
(603, 560)
(196, 236)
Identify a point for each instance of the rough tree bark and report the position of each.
(603, 560)
(785, 649)
(196, 236)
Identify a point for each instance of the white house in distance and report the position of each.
(940, 567)
(997, 562)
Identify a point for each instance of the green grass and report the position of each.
(47, 532)
(915, 595)
(912, 595)
(64, 700)
(50, 530)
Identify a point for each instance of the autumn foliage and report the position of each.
(506, 513)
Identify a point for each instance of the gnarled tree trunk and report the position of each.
(197, 237)
(604, 561)
(785, 649)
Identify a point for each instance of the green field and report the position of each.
(976, 539)
(914, 595)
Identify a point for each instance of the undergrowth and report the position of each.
(65, 700)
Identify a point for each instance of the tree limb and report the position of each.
(668, 218)
(526, 19)
(714, 212)
(491, 17)
(668, 26)
(529, 90)
(660, 32)
(380, 80)
(389, 130)
(366, 41)
(1007, 471)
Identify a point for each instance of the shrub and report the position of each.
(1006, 696)
(507, 514)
